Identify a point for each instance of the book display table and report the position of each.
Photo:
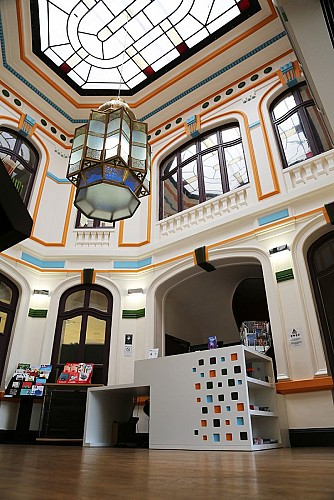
(220, 399)
(63, 412)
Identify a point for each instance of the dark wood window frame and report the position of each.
(85, 311)
(10, 310)
(300, 108)
(14, 155)
(198, 156)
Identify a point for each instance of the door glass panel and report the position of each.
(294, 142)
(95, 338)
(69, 351)
(170, 196)
(75, 300)
(190, 189)
(236, 166)
(3, 319)
(212, 178)
(98, 301)
(5, 293)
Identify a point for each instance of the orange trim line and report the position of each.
(326, 216)
(14, 108)
(182, 75)
(179, 257)
(250, 145)
(266, 227)
(148, 229)
(307, 385)
(266, 141)
(230, 98)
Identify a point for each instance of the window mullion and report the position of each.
(223, 169)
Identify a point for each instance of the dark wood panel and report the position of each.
(68, 472)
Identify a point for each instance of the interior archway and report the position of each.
(200, 304)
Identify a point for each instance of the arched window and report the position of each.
(83, 330)
(20, 159)
(298, 126)
(210, 165)
(8, 303)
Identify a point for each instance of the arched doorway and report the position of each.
(9, 294)
(199, 304)
(83, 330)
(320, 257)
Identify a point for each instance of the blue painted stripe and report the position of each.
(121, 264)
(215, 75)
(59, 264)
(273, 217)
(254, 124)
(28, 84)
(57, 179)
(155, 111)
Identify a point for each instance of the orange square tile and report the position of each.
(205, 438)
(227, 422)
(217, 409)
(212, 373)
(228, 437)
(240, 407)
(234, 356)
(197, 386)
(204, 423)
(198, 400)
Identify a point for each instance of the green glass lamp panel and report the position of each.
(113, 174)
(138, 155)
(111, 145)
(93, 175)
(126, 125)
(125, 148)
(139, 133)
(79, 137)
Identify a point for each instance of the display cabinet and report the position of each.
(222, 399)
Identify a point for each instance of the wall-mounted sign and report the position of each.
(295, 338)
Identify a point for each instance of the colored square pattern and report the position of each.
(221, 382)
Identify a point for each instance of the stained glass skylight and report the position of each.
(122, 45)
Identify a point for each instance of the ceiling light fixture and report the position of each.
(280, 248)
(135, 290)
(110, 163)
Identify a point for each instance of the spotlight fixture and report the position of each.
(135, 290)
(280, 248)
(110, 163)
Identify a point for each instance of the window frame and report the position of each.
(300, 108)
(84, 311)
(96, 223)
(14, 155)
(220, 147)
(10, 309)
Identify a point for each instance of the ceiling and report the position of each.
(100, 46)
(180, 79)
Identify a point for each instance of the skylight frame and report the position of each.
(147, 71)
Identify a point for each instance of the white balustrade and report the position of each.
(310, 170)
(217, 208)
